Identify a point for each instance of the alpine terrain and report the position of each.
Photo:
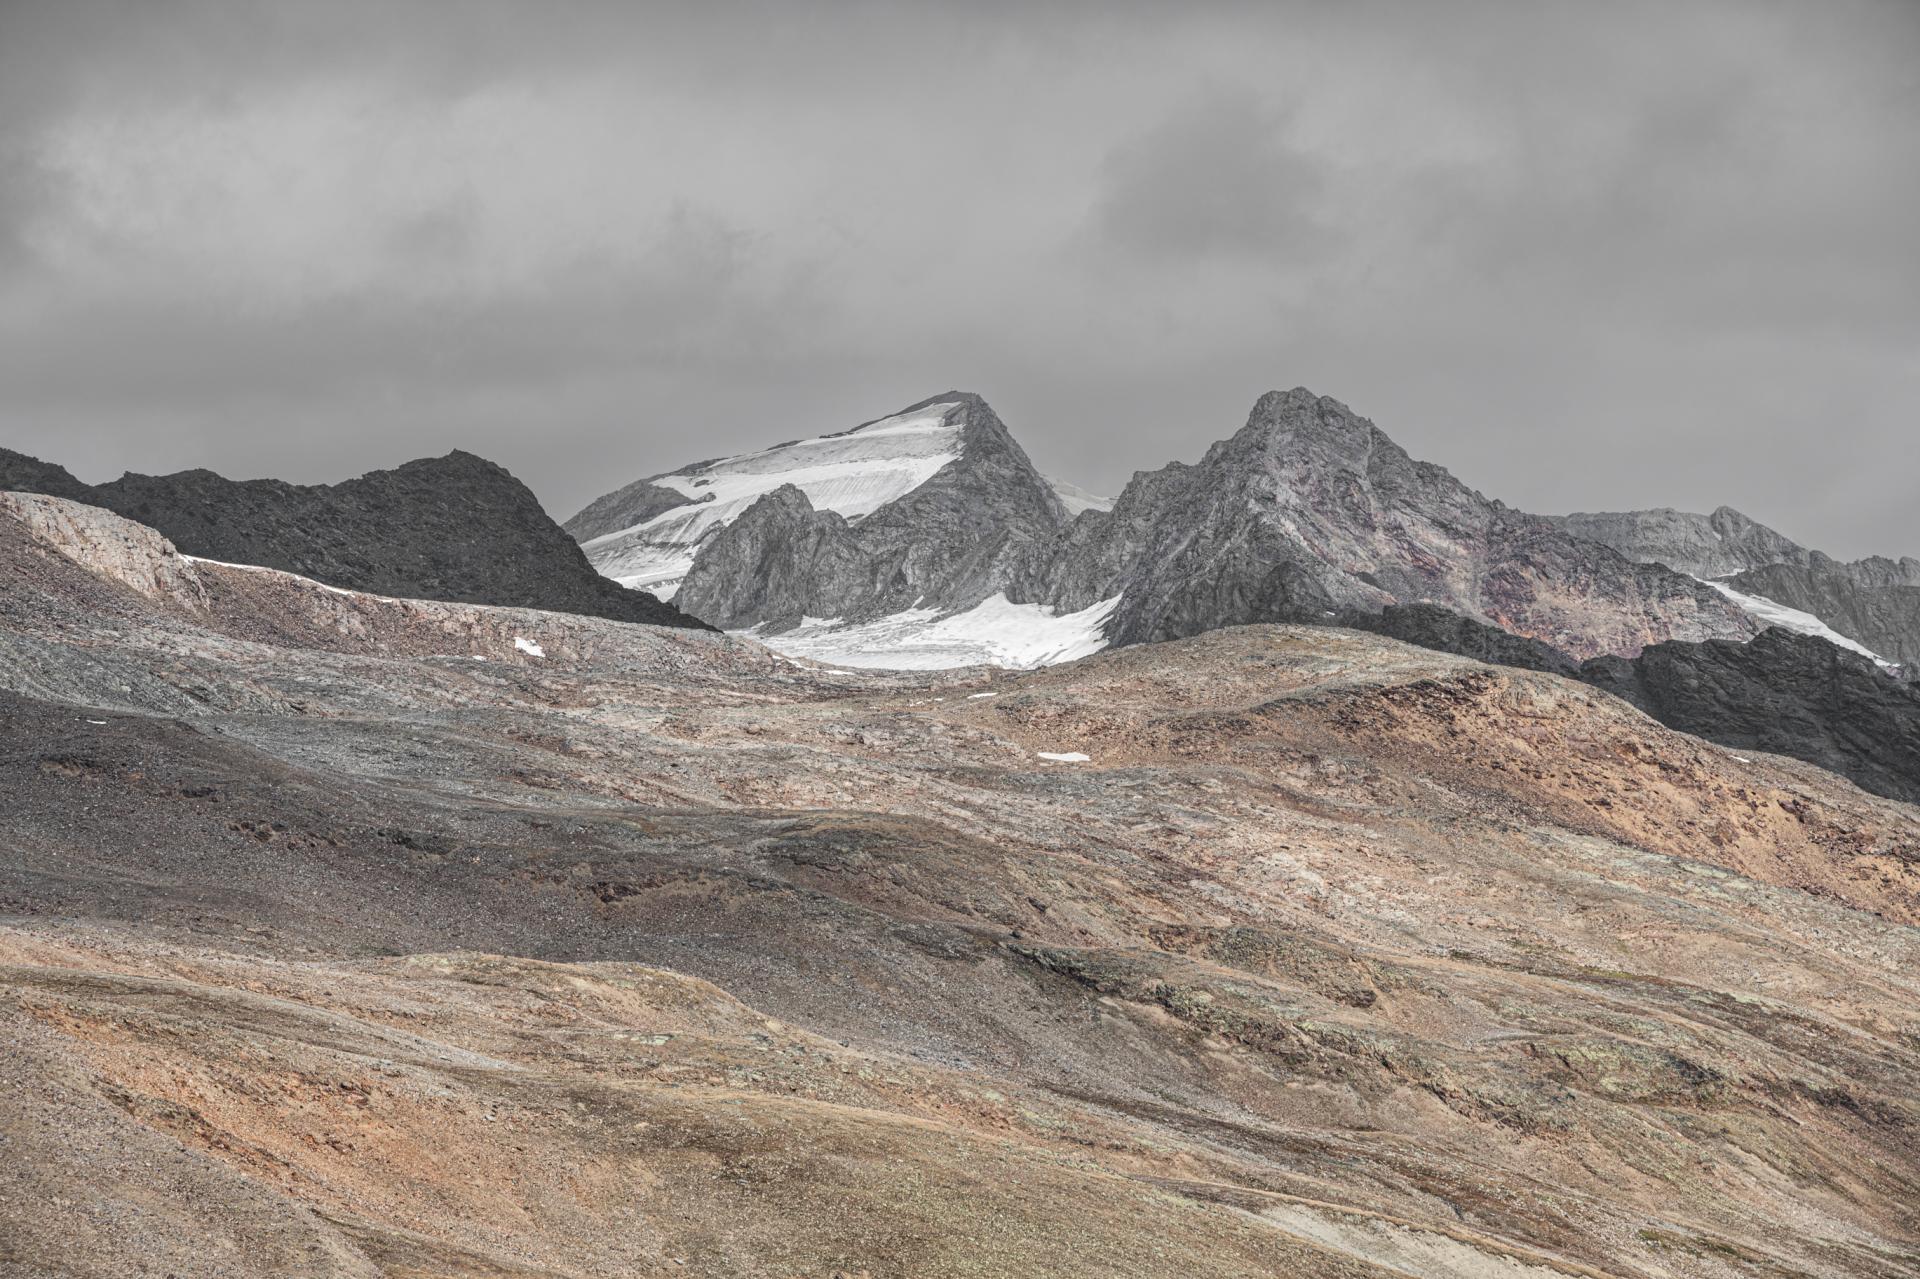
(928, 539)
(350, 934)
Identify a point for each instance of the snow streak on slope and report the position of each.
(995, 632)
(853, 473)
(1794, 620)
(1077, 499)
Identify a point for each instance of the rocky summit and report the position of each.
(353, 935)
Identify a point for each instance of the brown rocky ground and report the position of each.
(328, 949)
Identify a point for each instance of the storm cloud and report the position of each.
(1585, 256)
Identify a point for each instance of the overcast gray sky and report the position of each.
(1587, 256)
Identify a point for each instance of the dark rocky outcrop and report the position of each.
(22, 474)
(1442, 629)
(769, 565)
(1310, 506)
(1790, 694)
(456, 528)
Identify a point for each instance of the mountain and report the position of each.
(455, 528)
(326, 949)
(1875, 600)
(941, 483)
(854, 546)
(1871, 605)
(1704, 546)
(1310, 507)
(936, 505)
(897, 542)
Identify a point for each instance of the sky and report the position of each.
(1585, 256)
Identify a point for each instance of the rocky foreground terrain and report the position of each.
(356, 936)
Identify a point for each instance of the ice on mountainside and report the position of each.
(1793, 619)
(852, 473)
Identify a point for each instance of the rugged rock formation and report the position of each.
(20, 473)
(1308, 510)
(1445, 631)
(326, 950)
(1309, 506)
(1875, 601)
(1789, 694)
(1717, 545)
(767, 568)
(456, 528)
(935, 505)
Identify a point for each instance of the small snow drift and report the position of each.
(995, 632)
(1065, 757)
(527, 646)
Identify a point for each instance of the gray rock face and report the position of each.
(1311, 507)
(1717, 545)
(1875, 601)
(986, 522)
(1789, 694)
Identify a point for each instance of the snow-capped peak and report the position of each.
(851, 472)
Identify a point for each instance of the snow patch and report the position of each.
(974, 697)
(1065, 757)
(1077, 499)
(995, 632)
(528, 647)
(853, 473)
(1774, 614)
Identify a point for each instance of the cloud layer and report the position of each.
(1586, 256)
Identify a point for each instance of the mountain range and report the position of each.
(343, 934)
(1299, 865)
(852, 544)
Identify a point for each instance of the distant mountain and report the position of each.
(1310, 507)
(456, 528)
(935, 517)
(1872, 604)
(934, 503)
(1717, 545)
